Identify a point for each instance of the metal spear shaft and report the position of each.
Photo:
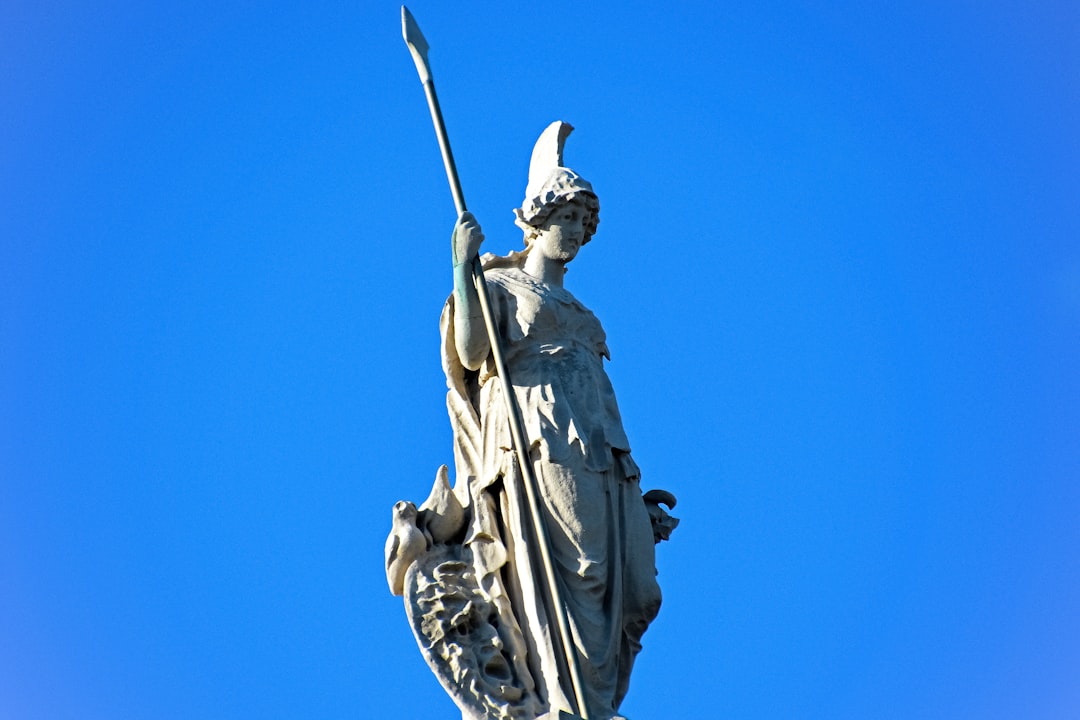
(418, 47)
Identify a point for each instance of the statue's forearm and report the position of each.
(470, 334)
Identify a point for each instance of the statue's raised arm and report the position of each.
(470, 335)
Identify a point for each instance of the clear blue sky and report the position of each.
(839, 269)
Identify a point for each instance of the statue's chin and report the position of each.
(565, 255)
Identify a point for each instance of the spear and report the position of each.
(418, 47)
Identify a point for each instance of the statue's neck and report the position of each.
(545, 269)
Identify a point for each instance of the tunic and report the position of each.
(598, 526)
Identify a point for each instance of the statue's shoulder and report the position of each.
(507, 276)
(512, 260)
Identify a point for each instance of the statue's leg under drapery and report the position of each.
(602, 549)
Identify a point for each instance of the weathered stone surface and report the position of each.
(468, 561)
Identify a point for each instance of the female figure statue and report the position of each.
(598, 523)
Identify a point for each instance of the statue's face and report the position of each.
(563, 233)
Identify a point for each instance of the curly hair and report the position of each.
(562, 187)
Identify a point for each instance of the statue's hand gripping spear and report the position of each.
(418, 47)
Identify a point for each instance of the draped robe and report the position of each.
(599, 530)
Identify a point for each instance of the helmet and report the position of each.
(551, 184)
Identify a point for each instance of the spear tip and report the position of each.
(418, 45)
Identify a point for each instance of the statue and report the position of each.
(530, 584)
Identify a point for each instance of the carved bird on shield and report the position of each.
(403, 546)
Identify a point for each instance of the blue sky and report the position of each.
(838, 268)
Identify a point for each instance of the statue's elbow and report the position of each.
(473, 355)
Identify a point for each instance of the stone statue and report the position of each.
(469, 561)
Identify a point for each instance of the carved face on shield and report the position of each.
(463, 631)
